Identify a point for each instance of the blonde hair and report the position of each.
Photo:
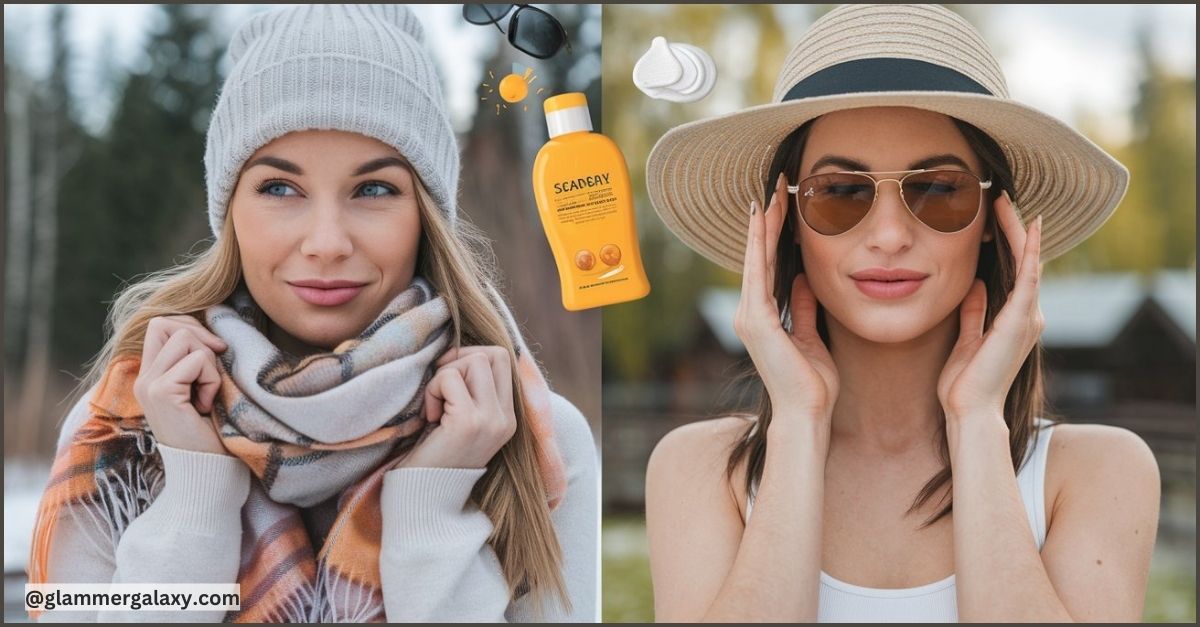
(510, 492)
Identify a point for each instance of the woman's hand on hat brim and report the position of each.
(982, 366)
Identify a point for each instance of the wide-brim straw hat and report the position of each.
(701, 176)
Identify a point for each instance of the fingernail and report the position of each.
(753, 207)
(1010, 200)
(1039, 221)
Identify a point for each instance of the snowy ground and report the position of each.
(23, 485)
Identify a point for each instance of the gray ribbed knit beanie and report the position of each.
(349, 67)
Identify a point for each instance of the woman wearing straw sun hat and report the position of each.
(890, 212)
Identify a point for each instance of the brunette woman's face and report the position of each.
(889, 139)
(328, 230)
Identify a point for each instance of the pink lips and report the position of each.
(888, 283)
(326, 293)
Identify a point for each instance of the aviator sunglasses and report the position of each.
(946, 201)
(530, 29)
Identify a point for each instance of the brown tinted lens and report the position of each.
(833, 203)
(944, 199)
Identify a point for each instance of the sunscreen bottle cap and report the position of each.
(567, 113)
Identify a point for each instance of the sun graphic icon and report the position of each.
(513, 88)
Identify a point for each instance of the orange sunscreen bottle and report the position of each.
(585, 200)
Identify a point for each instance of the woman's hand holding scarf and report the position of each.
(982, 366)
(470, 400)
(179, 355)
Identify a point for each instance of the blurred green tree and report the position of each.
(1154, 227)
(45, 145)
(136, 196)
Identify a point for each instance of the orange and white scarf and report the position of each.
(330, 424)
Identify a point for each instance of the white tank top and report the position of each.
(841, 602)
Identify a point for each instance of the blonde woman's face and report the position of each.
(890, 139)
(328, 229)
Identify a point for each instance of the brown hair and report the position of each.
(454, 260)
(1026, 398)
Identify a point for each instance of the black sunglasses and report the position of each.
(530, 29)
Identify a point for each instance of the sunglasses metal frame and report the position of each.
(510, 33)
(795, 191)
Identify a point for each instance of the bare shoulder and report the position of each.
(699, 443)
(1082, 449)
(695, 456)
(1101, 463)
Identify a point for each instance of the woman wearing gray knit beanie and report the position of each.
(332, 406)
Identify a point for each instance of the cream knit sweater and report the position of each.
(440, 568)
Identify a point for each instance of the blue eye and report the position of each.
(275, 189)
(381, 190)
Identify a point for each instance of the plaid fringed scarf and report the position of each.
(309, 429)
